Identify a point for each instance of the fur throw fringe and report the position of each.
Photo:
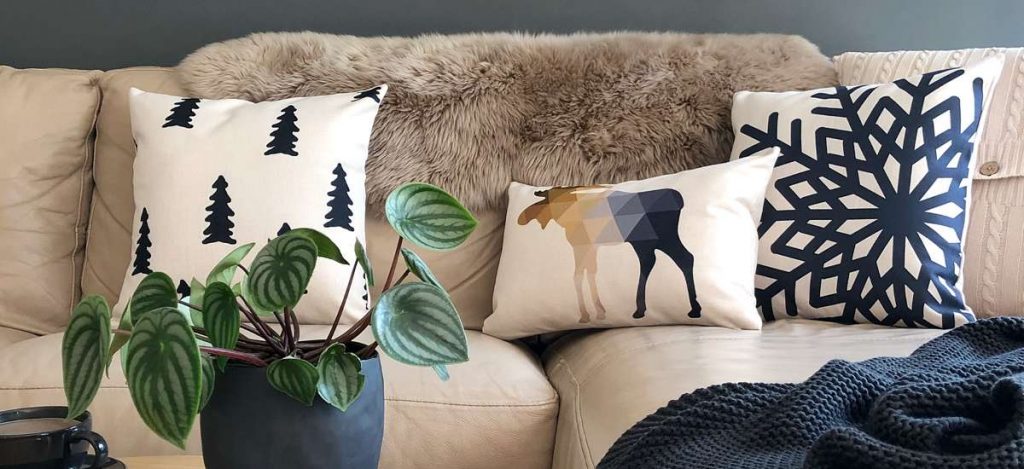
(473, 112)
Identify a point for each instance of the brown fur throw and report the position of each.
(473, 112)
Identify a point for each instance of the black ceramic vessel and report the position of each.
(56, 449)
(248, 424)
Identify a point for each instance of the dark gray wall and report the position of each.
(115, 33)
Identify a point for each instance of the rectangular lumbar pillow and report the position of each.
(212, 175)
(865, 215)
(675, 249)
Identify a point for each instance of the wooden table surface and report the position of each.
(163, 462)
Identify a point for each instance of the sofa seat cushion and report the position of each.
(497, 407)
(10, 336)
(609, 380)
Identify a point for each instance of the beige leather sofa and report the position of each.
(65, 208)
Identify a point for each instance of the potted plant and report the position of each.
(232, 350)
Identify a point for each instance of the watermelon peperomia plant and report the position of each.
(174, 348)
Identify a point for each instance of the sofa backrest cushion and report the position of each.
(46, 128)
(468, 273)
(108, 250)
(994, 250)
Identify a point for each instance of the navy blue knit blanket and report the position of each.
(956, 402)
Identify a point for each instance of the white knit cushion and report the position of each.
(211, 175)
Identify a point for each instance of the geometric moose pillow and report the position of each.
(866, 212)
(212, 175)
(675, 249)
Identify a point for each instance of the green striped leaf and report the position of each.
(119, 340)
(243, 291)
(221, 316)
(325, 248)
(294, 377)
(341, 377)
(428, 216)
(419, 268)
(209, 379)
(225, 270)
(164, 373)
(155, 291)
(84, 352)
(281, 271)
(364, 263)
(416, 324)
(196, 299)
(442, 372)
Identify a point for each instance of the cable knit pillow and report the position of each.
(676, 249)
(865, 215)
(211, 175)
(994, 254)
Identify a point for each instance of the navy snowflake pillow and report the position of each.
(865, 215)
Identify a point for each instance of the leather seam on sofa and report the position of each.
(603, 362)
(581, 431)
(95, 196)
(546, 403)
(87, 163)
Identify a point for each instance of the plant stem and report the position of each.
(394, 263)
(286, 331)
(234, 355)
(341, 309)
(263, 330)
(258, 320)
(247, 310)
(249, 328)
(190, 305)
(364, 321)
(355, 330)
(367, 351)
(402, 277)
(295, 324)
(251, 347)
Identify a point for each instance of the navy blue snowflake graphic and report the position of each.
(866, 221)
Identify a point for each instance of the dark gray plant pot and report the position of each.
(249, 424)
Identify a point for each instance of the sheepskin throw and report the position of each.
(474, 112)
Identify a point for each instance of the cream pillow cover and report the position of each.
(994, 251)
(212, 175)
(675, 249)
(866, 212)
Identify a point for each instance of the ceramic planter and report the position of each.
(248, 424)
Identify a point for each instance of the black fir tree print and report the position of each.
(372, 93)
(182, 113)
(339, 204)
(283, 138)
(284, 229)
(219, 224)
(366, 292)
(141, 264)
(184, 290)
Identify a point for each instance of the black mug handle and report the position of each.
(99, 446)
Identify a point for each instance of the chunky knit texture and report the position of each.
(956, 402)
